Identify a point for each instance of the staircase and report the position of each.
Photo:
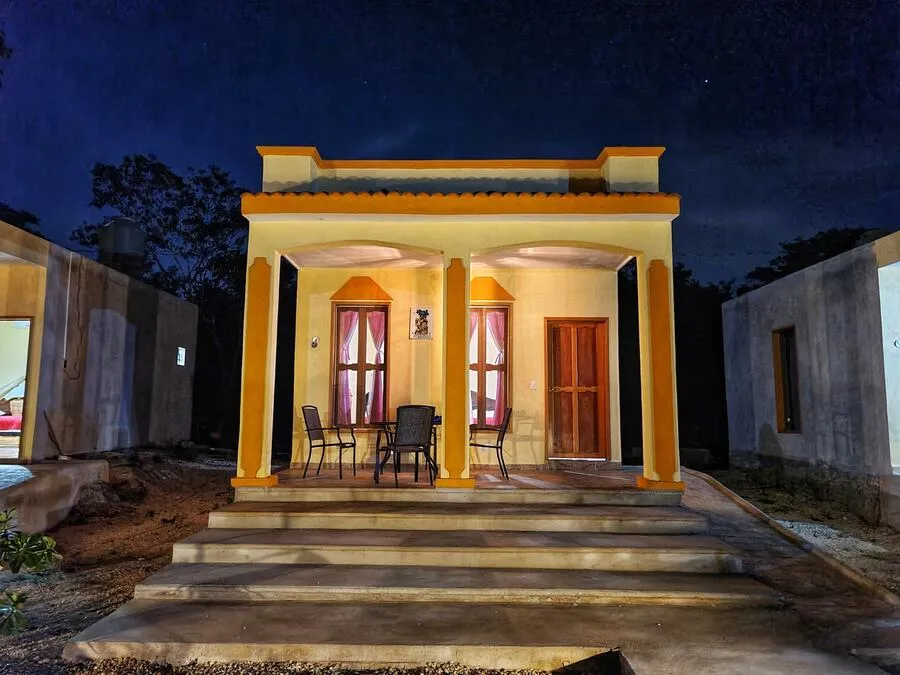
(374, 576)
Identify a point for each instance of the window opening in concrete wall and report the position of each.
(787, 390)
(14, 336)
(181, 356)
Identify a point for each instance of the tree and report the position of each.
(800, 253)
(24, 220)
(196, 247)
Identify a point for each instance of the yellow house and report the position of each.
(468, 285)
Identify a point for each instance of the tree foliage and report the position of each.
(21, 219)
(800, 253)
(196, 236)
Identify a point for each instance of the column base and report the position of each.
(648, 484)
(459, 483)
(266, 481)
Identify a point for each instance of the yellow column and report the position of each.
(257, 382)
(658, 395)
(455, 436)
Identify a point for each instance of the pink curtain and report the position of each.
(376, 320)
(473, 324)
(496, 324)
(348, 321)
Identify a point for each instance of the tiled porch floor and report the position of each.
(484, 479)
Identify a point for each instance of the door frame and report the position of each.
(603, 368)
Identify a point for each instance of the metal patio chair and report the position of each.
(412, 433)
(498, 442)
(315, 432)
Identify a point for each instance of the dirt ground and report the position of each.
(117, 534)
(874, 551)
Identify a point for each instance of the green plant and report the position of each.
(18, 552)
(12, 620)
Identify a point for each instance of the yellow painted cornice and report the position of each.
(468, 203)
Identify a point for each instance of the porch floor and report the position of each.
(485, 479)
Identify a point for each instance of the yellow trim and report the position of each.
(253, 391)
(266, 481)
(456, 365)
(460, 204)
(488, 289)
(648, 484)
(361, 289)
(313, 153)
(663, 385)
(455, 483)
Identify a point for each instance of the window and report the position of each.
(181, 356)
(488, 365)
(787, 390)
(361, 363)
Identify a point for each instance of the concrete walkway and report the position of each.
(835, 613)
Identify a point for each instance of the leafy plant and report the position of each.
(12, 620)
(18, 552)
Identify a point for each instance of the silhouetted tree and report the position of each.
(800, 253)
(21, 219)
(196, 249)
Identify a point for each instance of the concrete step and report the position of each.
(674, 640)
(450, 516)
(360, 584)
(519, 550)
(494, 495)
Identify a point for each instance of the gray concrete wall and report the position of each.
(835, 310)
(108, 376)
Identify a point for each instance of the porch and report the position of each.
(461, 302)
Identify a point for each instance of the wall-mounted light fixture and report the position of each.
(314, 342)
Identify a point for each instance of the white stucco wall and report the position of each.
(889, 293)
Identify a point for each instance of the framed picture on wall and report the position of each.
(421, 323)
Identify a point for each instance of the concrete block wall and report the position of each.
(842, 448)
(107, 373)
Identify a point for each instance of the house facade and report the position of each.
(90, 359)
(472, 286)
(812, 364)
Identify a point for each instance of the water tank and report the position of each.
(123, 245)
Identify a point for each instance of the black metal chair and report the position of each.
(315, 432)
(412, 433)
(498, 442)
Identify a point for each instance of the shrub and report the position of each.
(21, 552)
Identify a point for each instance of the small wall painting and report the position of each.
(421, 325)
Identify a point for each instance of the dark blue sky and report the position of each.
(781, 117)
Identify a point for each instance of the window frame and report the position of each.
(787, 385)
(482, 368)
(361, 367)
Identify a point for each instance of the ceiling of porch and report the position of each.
(534, 257)
(366, 255)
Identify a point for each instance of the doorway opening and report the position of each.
(14, 339)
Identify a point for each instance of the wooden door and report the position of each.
(578, 388)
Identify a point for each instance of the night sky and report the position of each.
(781, 117)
